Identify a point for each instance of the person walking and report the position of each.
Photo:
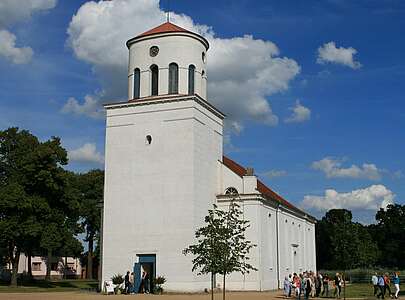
(338, 285)
(308, 286)
(313, 287)
(387, 282)
(290, 279)
(395, 280)
(374, 281)
(318, 284)
(127, 284)
(286, 287)
(297, 284)
(381, 285)
(325, 283)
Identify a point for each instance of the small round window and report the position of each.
(204, 59)
(153, 51)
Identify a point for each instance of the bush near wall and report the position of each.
(362, 275)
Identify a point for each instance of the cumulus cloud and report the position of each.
(12, 53)
(329, 53)
(242, 71)
(333, 169)
(274, 173)
(86, 153)
(90, 107)
(370, 198)
(299, 114)
(12, 11)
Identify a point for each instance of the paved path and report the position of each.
(88, 296)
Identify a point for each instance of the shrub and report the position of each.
(159, 281)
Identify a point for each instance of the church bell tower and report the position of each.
(162, 151)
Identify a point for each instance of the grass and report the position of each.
(51, 286)
(361, 290)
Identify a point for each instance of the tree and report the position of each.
(18, 222)
(91, 187)
(221, 245)
(389, 233)
(36, 204)
(342, 244)
(207, 251)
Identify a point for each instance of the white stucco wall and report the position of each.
(156, 195)
(273, 258)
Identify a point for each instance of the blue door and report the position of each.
(147, 262)
(137, 277)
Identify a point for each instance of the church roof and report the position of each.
(169, 28)
(163, 28)
(261, 187)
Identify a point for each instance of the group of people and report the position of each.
(310, 284)
(129, 282)
(381, 284)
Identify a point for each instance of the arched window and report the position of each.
(173, 78)
(191, 71)
(137, 83)
(231, 191)
(155, 80)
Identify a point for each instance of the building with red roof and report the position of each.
(165, 169)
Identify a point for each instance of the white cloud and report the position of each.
(12, 11)
(242, 71)
(370, 198)
(274, 173)
(87, 153)
(333, 169)
(329, 53)
(9, 50)
(299, 114)
(90, 107)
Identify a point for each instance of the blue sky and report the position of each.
(329, 113)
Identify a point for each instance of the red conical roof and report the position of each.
(163, 28)
(169, 28)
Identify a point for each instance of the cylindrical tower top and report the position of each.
(167, 60)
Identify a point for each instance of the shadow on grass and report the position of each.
(44, 285)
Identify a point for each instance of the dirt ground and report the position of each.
(88, 296)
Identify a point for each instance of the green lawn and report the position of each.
(361, 290)
(51, 286)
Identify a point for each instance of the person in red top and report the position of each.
(387, 282)
(297, 285)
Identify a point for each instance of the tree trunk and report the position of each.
(29, 265)
(48, 265)
(65, 269)
(14, 255)
(89, 273)
(223, 291)
(212, 286)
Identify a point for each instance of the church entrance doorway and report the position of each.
(144, 273)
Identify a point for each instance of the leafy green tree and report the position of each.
(16, 223)
(221, 245)
(208, 249)
(18, 202)
(36, 204)
(91, 187)
(342, 244)
(389, 233)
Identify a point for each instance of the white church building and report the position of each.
(165, 167)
